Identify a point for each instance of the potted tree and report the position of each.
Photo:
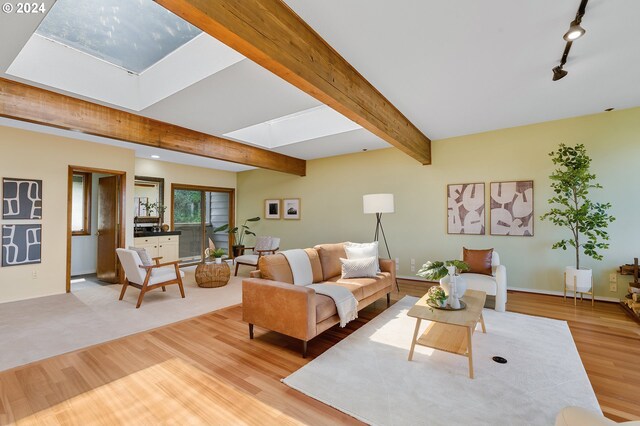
(238, 234)
(586, 220)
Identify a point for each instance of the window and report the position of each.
(81, 204)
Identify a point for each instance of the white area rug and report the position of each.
(35, 329)
(367, 375)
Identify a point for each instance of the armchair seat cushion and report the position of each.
(163, 274)
(486, 283)
(248, 259)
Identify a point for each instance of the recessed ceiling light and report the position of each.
(155, 156)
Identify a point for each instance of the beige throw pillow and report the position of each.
(359, 268)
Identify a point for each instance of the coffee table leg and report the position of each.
(415, 337)
(470, 351)
(484, 330)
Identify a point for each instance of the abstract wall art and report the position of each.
(465, 208)
(512, 208)
(22, 199)
(21, 244)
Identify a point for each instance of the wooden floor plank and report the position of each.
(205, 370)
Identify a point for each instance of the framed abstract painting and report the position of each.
(511, 208)
(465, 209)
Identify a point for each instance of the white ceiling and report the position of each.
(452, 68)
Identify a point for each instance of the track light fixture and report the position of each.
(575, 32)
(558, 73)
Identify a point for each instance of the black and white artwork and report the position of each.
(22, 199)
(21, 244)
(465, 209)
(512, 208)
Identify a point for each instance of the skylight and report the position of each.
(301, 126)
(132, 34)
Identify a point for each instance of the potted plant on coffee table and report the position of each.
(586, 220)
(442, 271)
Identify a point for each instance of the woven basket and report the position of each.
(211, 275)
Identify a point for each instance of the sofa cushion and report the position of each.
(350, 284)
(330, 255)
(369, 286)
(275, 267)
(316, 267)
(479, 261)
(325, 307)
(359, 268)
(481, 282)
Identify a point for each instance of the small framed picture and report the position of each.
(291, 208)
(272, 209)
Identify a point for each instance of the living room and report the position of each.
(476, 138)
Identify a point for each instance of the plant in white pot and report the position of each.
(444, 272)
(587, 220)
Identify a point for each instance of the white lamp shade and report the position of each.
(377, 203)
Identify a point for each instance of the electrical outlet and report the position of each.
(413, 265)
(613, 287)
(397, 263)
(34, 274)
(613, 277)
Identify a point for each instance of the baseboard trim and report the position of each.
(525, 290)
(559, 293)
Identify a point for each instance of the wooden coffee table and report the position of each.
(449, 331)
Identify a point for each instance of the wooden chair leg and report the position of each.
(179, 281)
(124, 288)
(164, 288)
(236, 273)
(143, 290)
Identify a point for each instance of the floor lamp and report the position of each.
(379, 204)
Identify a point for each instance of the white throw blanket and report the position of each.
(346, 303)
(300, 266)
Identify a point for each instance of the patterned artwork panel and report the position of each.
(21, 244)
(21, 199)
(465, 209)
(512, 208)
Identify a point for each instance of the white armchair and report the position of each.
(494, 285)
(264, 245)
(147, 278)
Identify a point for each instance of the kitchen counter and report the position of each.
(155, 234)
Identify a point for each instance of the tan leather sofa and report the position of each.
(270, 300)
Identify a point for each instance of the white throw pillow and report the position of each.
(362, 250)
(144, 256)
(359, 268)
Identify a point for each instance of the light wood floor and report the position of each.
(206, 371)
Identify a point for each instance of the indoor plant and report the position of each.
(587, 220)
(238, 234)
(437, 296)
(442, 271)
(217, 254)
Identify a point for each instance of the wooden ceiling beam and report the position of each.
(22, 102)
(271, 34)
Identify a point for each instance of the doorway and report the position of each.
(95, 226)
(196, 211)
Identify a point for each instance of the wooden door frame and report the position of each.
(121, 211)
(188, 187)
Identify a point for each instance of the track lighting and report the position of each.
(575, 32)
(558, 73)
